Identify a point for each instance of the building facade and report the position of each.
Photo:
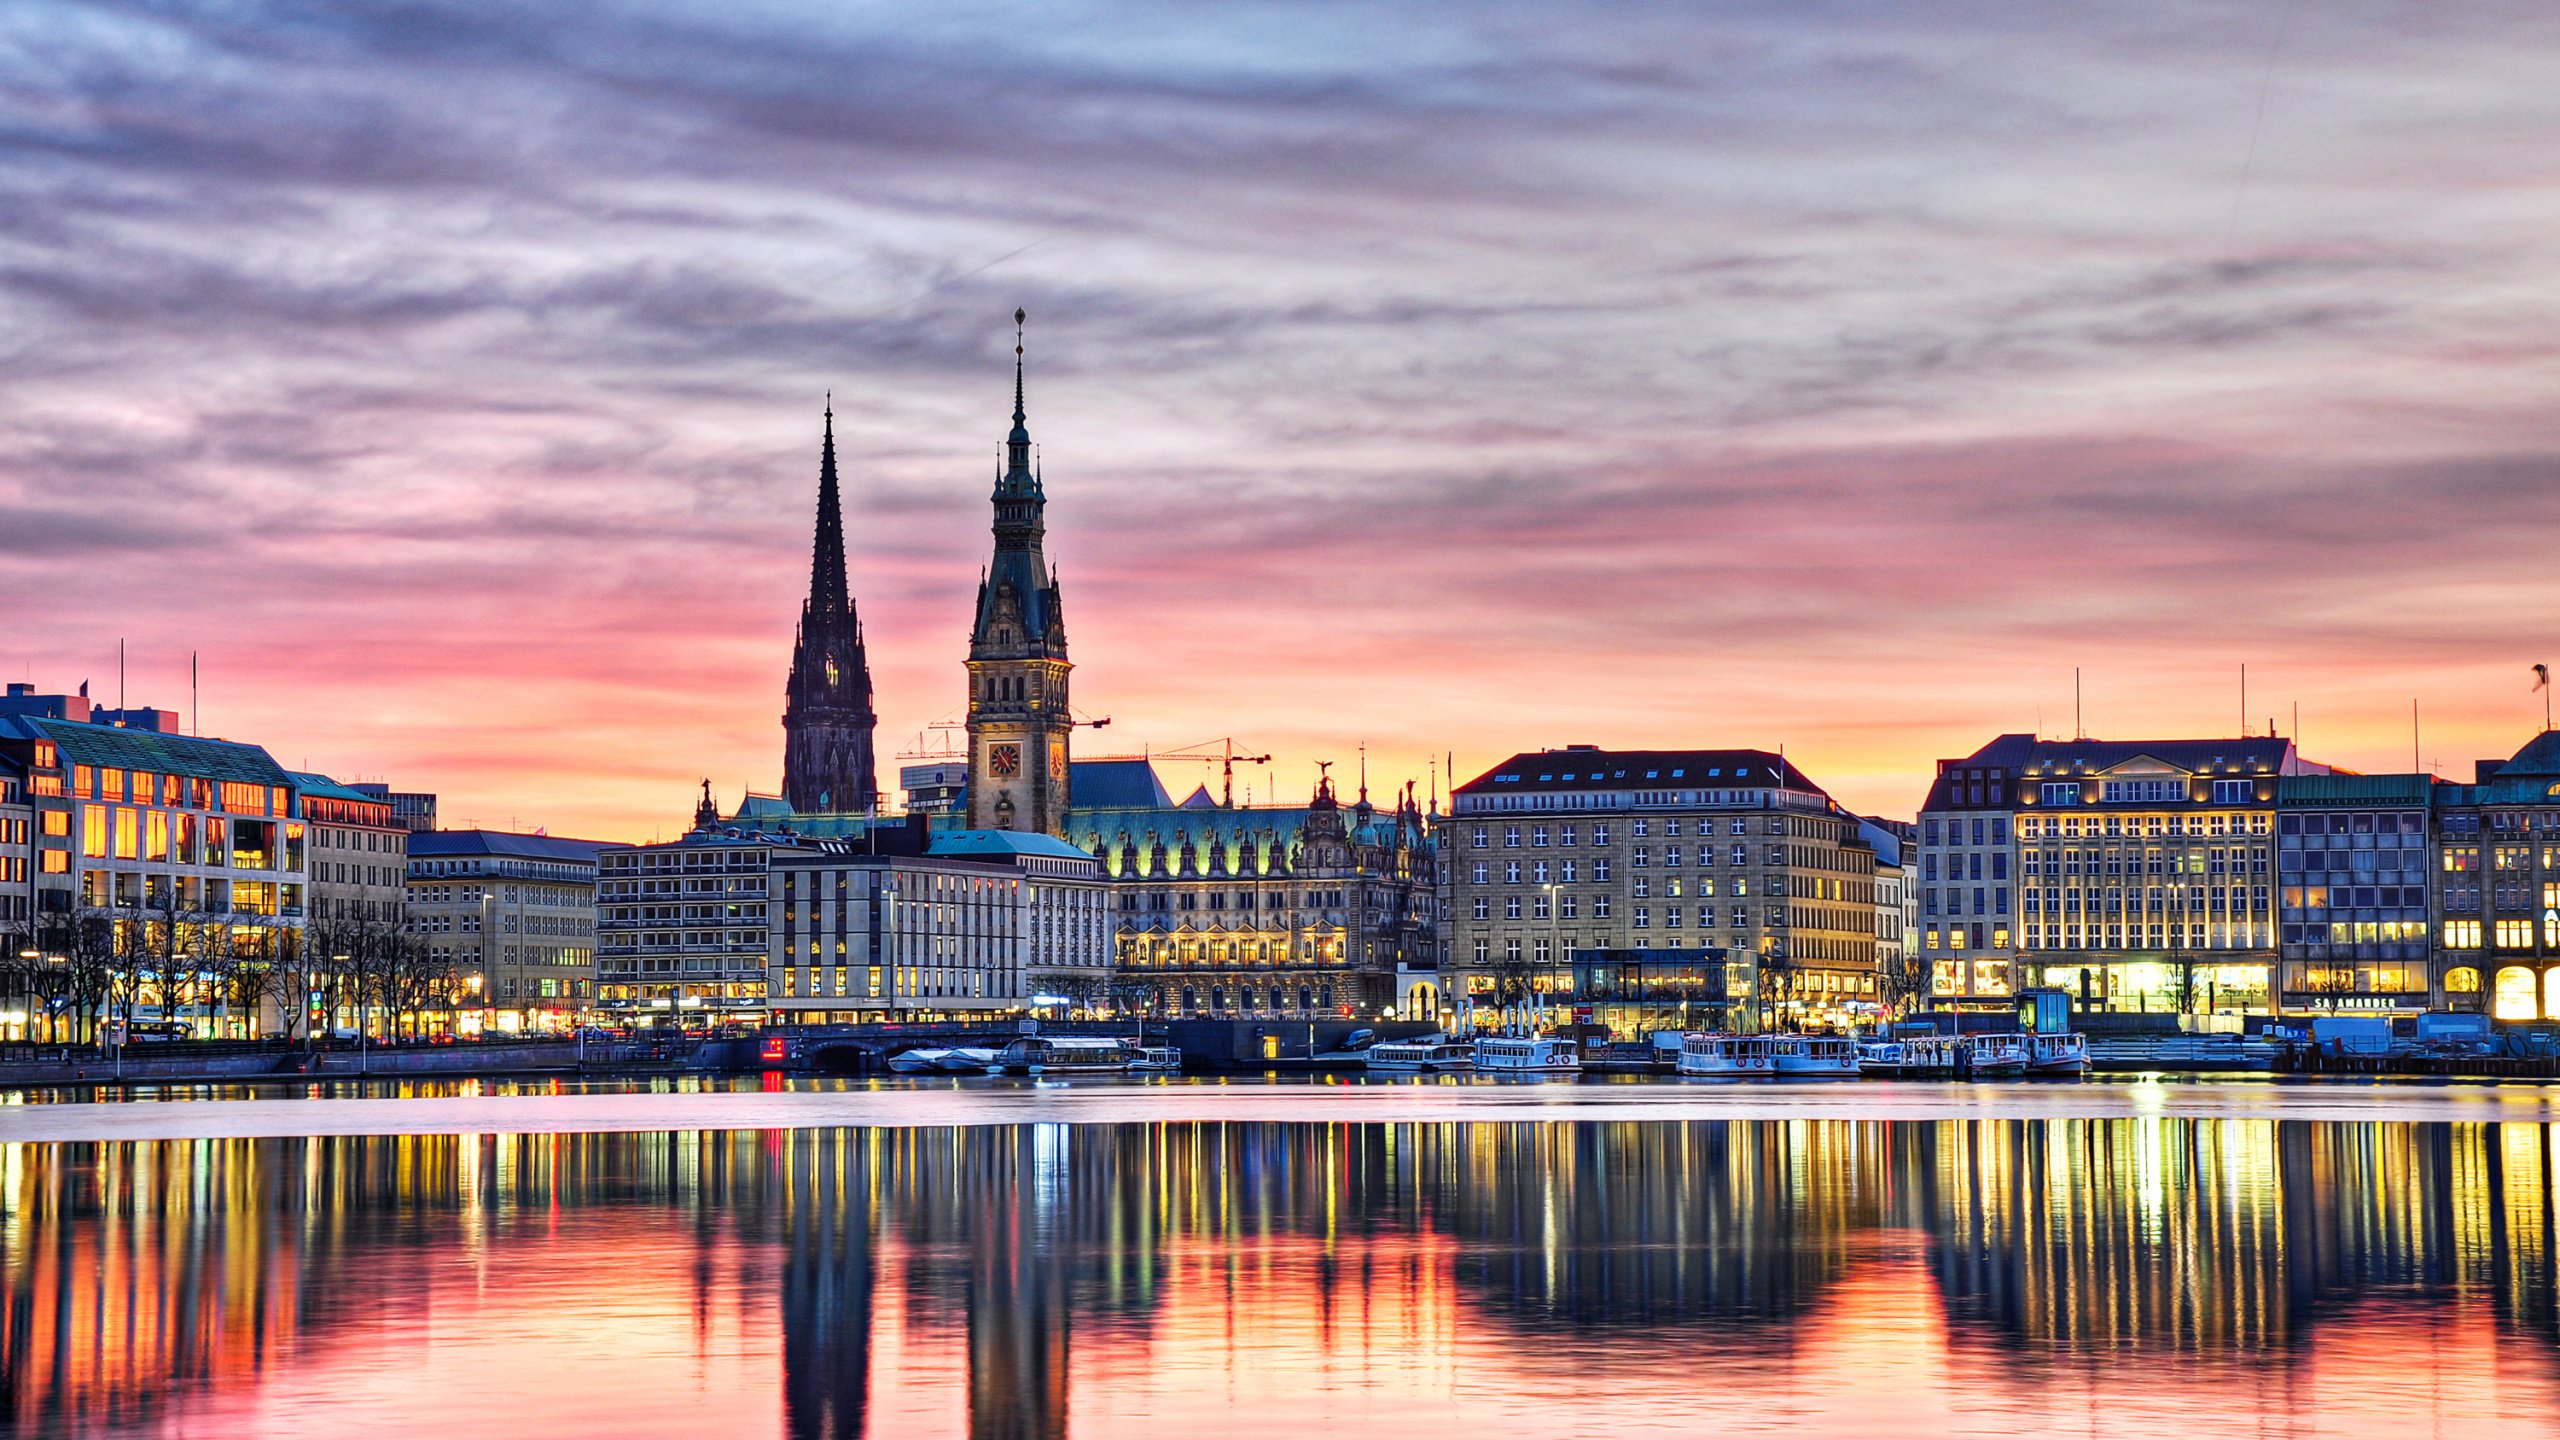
(2497, 895)
(1559, 851)
(684, 928)
(2140, 875)
(1067, 949)
(415, 810)
(937, 788)
(1902, 980)
(167, 878)
(359, 856)
(1265, 911)
(512, 918)
(17, 854)
(862, 936)
(827, 722)
(2355, 870)
(1019, 724)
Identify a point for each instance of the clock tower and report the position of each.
(1018, 719)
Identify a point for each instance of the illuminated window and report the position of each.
(2515, 998)
(2462, 934)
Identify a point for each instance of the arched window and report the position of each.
(1190, 998)
(2462, 980)
(2515, 998)
(1217, 997)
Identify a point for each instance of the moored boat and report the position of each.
(1883, 1059)
(1520, 1055)
(1419, 1057)
(1064, 1055)
(1157, 1060)
(1814, 1057)
(917, 1062)
(966, 1060)
(1728, 1057)
(2063, 1054)
(1998, 1056)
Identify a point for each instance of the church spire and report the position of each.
(827, 590)
(827, 723)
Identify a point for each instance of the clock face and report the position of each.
(1005, 759)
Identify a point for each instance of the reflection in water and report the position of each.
(1192, 1279)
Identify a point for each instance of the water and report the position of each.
(1556, 1260)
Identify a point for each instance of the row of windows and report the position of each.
(1993, 830)
(2226, 861)
(2459, 859)
(2072, 827)
(1603, 834)
(2146, 792)
(2509, 934)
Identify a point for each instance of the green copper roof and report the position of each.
(113, 748)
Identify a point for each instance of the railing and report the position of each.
(2204, 1051)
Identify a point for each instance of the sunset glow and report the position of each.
(1439, 380)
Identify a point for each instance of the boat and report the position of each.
(1064, 1055)
(2063, 1054)
(966, 1060)
(1884, 1059)
(1997, 1056)
(1814, 1057)
(1727, 1057)
(1419, 1057)
(917, 1062)
(1157, 1060)
(1526, 1055)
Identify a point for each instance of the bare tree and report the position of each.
(2333, 981)
(1132, 993)
(1779, 979)
(412, 978)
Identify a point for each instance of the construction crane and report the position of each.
(1225, 754)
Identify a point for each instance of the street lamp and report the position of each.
(1555, 939)
(360, 1017)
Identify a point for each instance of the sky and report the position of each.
(1447, 380)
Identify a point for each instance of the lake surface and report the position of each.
(1591, 1267)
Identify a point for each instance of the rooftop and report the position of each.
(973, 844)
(442, 844)
(1579, 767)
(112, 748)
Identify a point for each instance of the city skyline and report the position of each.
(1487, 385)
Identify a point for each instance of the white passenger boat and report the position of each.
(1998, 1056)
(2064, 1054)
(917, 1062)
(966, 1060)
(1728, 1057)
(1814, 1057)
(1064, 1055)
(1419, 1057)
(1883, 1059)
(1157, 1060)
(1516, 1055)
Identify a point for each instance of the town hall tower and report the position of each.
(1018, 719)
